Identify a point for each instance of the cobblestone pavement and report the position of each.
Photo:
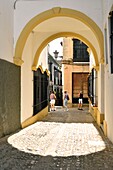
(61, 141)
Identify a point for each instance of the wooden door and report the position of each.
(79, 82)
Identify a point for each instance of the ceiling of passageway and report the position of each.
(64, 24)
(61, 24)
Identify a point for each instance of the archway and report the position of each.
(50, 15)
(63, 34)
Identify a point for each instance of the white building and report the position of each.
(26, 28)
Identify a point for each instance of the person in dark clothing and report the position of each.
(80, 100)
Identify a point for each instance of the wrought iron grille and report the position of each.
(40, 91)
(80, 53)
(92, 80)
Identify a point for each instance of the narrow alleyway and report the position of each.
(64, 140)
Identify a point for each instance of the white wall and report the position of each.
(26, 10)
(27, 82)
(109, 103)
(43, 59)
(101, 91)
(107, 6)
(108, 76)
(6, 29)
(27, 77)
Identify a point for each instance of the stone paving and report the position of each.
(61, 141)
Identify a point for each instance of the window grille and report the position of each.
(80, 53)
(92, 80)
(40, 91)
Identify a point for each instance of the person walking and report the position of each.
(52, 101)
(80, 100)
(66, 98)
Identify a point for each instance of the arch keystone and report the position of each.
(56, 10)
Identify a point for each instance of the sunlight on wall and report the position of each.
(58, 139)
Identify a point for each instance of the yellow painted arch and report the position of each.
(63, 34)
(43, 71)
(55, 12)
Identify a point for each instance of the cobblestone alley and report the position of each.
(64, 140)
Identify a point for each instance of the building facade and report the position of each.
(27, 27)
(75, 69)
(55, 78)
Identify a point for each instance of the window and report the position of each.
(80, 53)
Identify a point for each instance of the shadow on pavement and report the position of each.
(14, 159)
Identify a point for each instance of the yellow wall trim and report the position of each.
(35, 118)
(18, 61)
(34, 68)
(56, 10)
(41, 69)
(100, 118)
(102, 60)
(105, 127)
(95, 67)
(93, 110)
(48, 72)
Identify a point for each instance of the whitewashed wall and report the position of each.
(27, 77)
(6, 29)
(27, 82)
(26, 10)
(108, 96)
(43, 59)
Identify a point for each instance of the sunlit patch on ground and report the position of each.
(58, 139)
